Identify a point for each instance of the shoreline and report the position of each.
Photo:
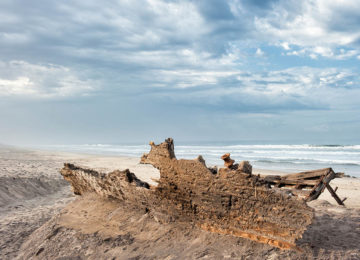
(348, 186)
(84, 154)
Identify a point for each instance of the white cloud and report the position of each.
(346, 54)
(136, 24)
(317, 26)
(19, 78)
(313, 56)
(323, 51)
(189, 78)
(320, 51)
(174, 45)
(18, 86)
(285, 45)
(259, 52)
(288, 89)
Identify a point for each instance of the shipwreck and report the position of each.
(229, 200)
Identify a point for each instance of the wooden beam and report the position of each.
(307, 174)
(295, 182)
(319, 188)
(335, 196)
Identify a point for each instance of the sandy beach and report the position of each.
(32, 192)
(258, 103)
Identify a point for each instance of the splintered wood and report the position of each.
(308, 185)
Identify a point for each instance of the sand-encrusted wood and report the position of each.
(123, 185)
(230, 202)
(226, 202)
(159, 152)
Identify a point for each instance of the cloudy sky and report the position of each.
(133, 71)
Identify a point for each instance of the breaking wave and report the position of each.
(291, 158)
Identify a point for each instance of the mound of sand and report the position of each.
(30, 193)
(94, 228)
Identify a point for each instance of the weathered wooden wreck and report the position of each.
(229, 200)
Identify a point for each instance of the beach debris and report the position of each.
(245, 167)
(228, 200)
(308, 185)
(228, 162)
(213, 169)
(117, 184)
(163, 150)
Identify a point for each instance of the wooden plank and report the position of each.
(296, 182)
(271, 178)
(340, 175)
(335, 196)
(300, 186)
(318, 180)
(307, 174)
(319, 188)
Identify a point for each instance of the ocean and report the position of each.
(287, 158)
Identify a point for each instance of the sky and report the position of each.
(76, 72)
